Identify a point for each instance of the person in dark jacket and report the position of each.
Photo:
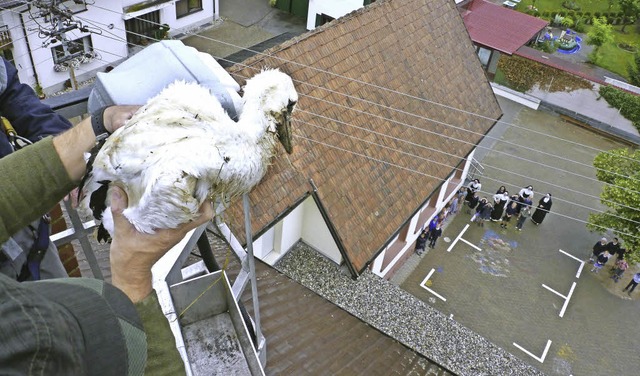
(544, 206)
(434, 235)
(614, 247)
(510, 211)
(500, 201)
(32, 121)
(481, 204)
(598, 248)
(485, 214)
(473, 202)
(421, 242)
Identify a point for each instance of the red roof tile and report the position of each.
(498, 27)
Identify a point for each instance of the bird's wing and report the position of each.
(158, 152)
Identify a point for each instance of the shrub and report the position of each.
(597, 14)
(570, 4)
(523, 74)
(547, 46)
(557, 20)
(567, 22)
(628, 104)
(579, 25)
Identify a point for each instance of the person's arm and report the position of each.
(35, 178)
(28, 115)
(132, 256)
(80, 139)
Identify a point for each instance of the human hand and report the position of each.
(134, 253)
(115, 117)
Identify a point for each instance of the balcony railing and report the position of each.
(5, 37)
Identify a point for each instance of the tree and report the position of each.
(600, 34)
(619, 168)
(634, 69)
(631, 10)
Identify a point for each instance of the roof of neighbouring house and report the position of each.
(374, 149)
(500, 28)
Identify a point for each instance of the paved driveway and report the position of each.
(492, 279)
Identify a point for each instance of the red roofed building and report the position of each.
(495, 30)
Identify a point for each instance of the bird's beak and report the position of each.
(284, 130)
(284, 133)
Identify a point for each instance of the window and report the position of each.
(75, 49)
(140, 29)
(484, 55)
(186, 7)
(74, 6)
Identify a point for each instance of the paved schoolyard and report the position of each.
(492, 279)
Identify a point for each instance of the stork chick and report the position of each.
(182, 148)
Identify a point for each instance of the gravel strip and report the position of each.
(401, 316)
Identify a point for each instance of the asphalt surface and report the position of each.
(496, 289)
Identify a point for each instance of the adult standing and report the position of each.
(613, 247)
(500, 201)
(544, 205)
(633, 283)
(473, 187)
(28, 254)
(525, 197)
(598, 248)
(434, 235)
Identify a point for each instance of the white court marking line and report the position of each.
(422, 284)
(544, 353)
(577, 259)
(566, 298)
(459, 238)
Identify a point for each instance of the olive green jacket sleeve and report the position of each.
(33, 181)
(162, 356)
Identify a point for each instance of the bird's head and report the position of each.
(277, 98)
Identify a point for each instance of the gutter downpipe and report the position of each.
(332, 230)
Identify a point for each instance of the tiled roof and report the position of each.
(498, 27)
(359, 80)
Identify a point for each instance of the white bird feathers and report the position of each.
(182, 148)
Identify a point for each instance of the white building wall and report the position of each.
(442, 199)
(11, 18)
(111, 45)
(291, 230)
(332, 8)
(208, 13)
(316, 233)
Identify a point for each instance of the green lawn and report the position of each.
(612, 57)
(556, 5)
(616, 59)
